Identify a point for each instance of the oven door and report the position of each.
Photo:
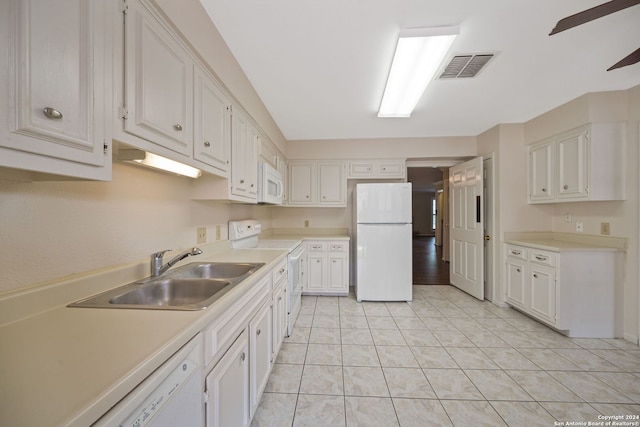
(270, 185)
(294, 287)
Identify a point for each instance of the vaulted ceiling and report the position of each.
(320, 66)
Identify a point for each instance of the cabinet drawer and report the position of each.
(279, 272)
(516, 252)
(317, 247)
(361, 169)
(543, 258)
(338, 247)
(391, 168)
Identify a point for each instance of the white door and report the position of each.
(466, 268)
(489, 240)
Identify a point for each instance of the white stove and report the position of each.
(245, 235)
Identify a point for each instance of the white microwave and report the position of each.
(270, 185)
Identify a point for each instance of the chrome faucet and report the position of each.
(156, 260)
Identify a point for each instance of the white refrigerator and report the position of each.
(383, 232)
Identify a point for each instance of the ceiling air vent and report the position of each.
(464, 66)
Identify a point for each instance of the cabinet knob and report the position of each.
(307, 196)
(281, 271)
(52, 113)
(242, 356)
(207, 144)
(566, 187)
(252, 185)
(242, 181)
(518, 270)
(535, 275)
(178, 127)
(279, 298)
(544, 190)
(258, 332)
(324, 197)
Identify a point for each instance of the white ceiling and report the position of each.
(320, 66)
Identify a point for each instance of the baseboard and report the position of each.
(630, 337)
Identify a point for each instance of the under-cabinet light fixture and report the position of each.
(419, 54)
(145, 158)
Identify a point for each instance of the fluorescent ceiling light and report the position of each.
(158, 162)
(418, 56)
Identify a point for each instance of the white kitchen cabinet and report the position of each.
(158, 103)
(531, 281)
(377, 169)
(279, 321)
(317, 183)
(586, 163)
(327, 267)
(244, 158)
(260, 341)
(212, 123)
(302, 183)
(55, 88)
(227, 387)
(541, 172)
(332, 184)
(571, 290)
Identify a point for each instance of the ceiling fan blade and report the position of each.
(591, 14)
(632, 58)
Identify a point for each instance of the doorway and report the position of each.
(429, 261)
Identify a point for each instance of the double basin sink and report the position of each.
(194, 286)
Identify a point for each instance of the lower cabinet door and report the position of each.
(260, 353)
(515, 276)
(543, 292)
(227, 387)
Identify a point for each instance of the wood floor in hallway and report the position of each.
(428, 266)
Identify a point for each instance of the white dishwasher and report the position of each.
(170, 396)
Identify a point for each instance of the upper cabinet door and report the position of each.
(541, 172)
(332, 184)
(158, 81)
(572, 165)
(302, 182)
(53, 85)
(212, 122)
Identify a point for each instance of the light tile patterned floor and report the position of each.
(445, 359)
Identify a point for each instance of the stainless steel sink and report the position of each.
(176, 292)
(193, 286)
(221, 270)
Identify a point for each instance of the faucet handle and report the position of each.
(160, 254)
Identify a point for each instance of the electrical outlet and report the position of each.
(605, 228)
(201, 235)
(567, 217)
(218, 232)
(306, 223)
(579, 226)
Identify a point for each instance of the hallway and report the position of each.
(428, 266)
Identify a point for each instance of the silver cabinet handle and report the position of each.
(541, 258)
(177, 127)
(52, 113)
(516, 252)
(242, 356)
(207, 144)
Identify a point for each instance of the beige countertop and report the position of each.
(68, 366)
(561, 242)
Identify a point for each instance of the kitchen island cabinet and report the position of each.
(567, 285)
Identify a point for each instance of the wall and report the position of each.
(422, 212)
(382, 148)
(510, 142)
(50, 230)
